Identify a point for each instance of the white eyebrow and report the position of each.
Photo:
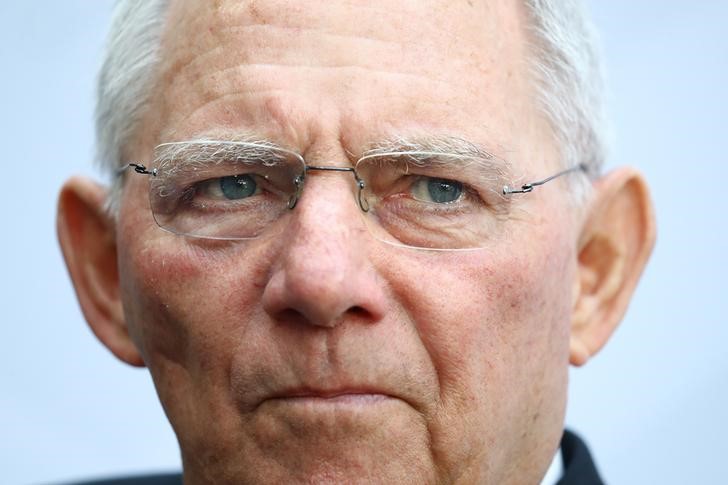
(430, 150)
(201, 153)
(426, 150)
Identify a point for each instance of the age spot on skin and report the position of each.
(255, 13)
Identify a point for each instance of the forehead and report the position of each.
(296, 72)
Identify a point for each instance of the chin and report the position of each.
(309, 443)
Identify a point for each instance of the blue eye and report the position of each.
(237, 186)
(440, 191)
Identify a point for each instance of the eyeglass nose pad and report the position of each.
(298, 182)
(363, 202)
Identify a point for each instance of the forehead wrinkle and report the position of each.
(234, 84)
(231, 72)
(270, 14)
(378, 70)
(302, 32)
(196, 88)
(221, 102)
(194, 64)
(252, 50)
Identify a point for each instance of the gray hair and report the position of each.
(126, 81)
(565, 65)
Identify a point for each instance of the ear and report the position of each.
(615, 243)
(87, 237)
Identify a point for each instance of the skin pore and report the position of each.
(318, 354)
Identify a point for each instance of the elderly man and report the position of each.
(357, 242)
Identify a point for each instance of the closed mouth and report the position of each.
(342, 397)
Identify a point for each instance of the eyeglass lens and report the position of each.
(437, 201)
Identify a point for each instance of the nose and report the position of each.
(324, 274)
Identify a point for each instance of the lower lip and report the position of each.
(338, 400)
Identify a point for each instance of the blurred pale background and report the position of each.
(652, 406)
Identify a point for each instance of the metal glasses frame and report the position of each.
(300, 179)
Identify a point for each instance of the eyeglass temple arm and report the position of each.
(525, 188)
(138, 168)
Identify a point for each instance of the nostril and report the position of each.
(289, 315)
(359, 312)
(295, 317)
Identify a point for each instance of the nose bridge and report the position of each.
(327, 217)
(333, 170)
(324, 270)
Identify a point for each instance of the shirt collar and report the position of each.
(555, 471)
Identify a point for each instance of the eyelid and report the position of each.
(263, 182)
(372, 168)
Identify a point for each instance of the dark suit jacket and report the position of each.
(579, 468)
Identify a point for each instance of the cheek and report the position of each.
(495, 326)
(186, 304)
(486, 307)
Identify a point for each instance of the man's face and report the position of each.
(324, 355)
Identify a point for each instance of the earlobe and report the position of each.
(86, 236)
(616, 241)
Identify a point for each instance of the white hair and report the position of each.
(565, 64)
(126, 81)
(568, 71)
